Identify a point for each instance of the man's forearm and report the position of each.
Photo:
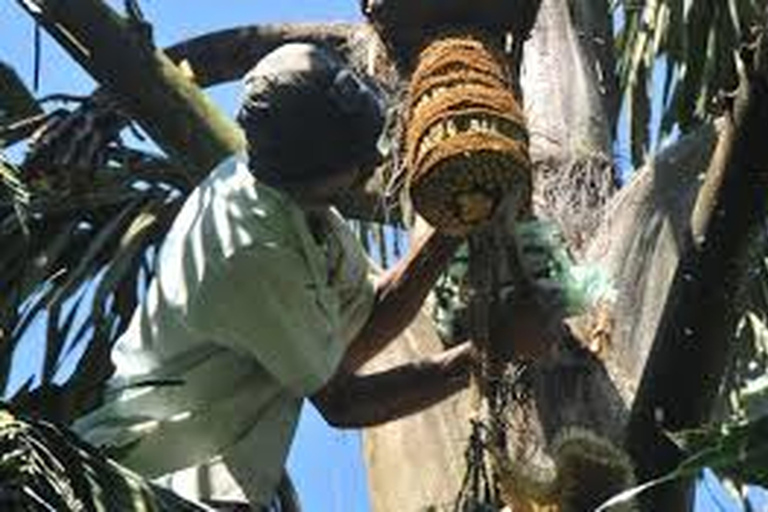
(399, 295)
(356, 401)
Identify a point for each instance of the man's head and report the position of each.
(309, 120)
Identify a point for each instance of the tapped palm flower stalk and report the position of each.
(466, 142)
(586, 471)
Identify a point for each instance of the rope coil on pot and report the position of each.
(466, 142)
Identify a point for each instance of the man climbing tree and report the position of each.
(263, 297)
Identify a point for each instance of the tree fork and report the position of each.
(688, 359)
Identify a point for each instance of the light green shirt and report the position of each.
(246, 316)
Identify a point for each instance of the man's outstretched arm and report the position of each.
(354, 401)
(400, 293)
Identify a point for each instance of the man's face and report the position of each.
(323, 193)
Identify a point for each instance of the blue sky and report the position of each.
(325, 463)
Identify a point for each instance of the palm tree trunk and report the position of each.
(418, 463)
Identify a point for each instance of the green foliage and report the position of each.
(14, 190)
(746, 382)
(700, 40)
(76, 239)
(736, 451)
(44, 467)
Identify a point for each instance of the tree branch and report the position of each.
(178, 116)
(227, 55)
(687, 361)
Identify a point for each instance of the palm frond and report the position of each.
(44, 467)
(15, 99)
(14, 191)
(77, 260)
(697, 41)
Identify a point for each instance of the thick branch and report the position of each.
(687, 362)
(178, 116)
(227, 55)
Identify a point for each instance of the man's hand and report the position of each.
(354, 401)
(400, 293)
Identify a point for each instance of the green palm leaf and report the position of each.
(699, 40)
(44, 467)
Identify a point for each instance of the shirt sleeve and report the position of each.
(352, 279)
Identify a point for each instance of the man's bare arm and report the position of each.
(354, 401)
(400, 293)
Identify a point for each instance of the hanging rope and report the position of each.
(465, 147)
(480, 490)
(476, 493)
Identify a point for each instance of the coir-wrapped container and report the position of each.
(466, 141)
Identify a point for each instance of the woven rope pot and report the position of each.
(466, 142)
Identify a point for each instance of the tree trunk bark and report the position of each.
(417, 462)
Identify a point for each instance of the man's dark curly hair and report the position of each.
(307, 115)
